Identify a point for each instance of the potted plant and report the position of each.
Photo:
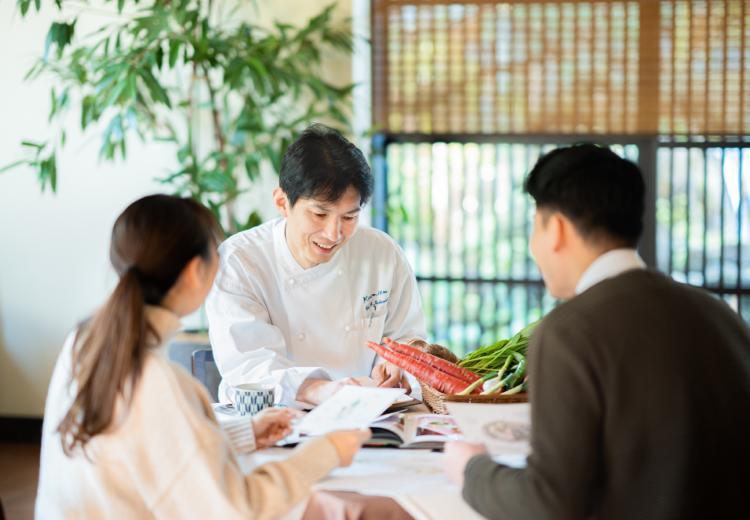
(167, 69)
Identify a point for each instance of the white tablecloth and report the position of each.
(414, 478)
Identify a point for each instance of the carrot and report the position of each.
(443, 382)
(434, 361)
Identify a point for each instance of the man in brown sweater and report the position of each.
(639, 386)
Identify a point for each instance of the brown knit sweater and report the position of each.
(640, 403)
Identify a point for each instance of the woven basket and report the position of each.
(435, 400)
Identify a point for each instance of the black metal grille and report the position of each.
(456, 205)
(702, 217)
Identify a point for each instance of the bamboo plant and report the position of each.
(165, 70)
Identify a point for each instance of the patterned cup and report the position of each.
(251, 398)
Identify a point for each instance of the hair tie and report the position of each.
(153, 288)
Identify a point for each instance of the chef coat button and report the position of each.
(347, 328)
(291, 281)
(340, 272)
(301, 336)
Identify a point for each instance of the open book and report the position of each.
(361, 407)
(413, 430)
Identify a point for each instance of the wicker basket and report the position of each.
(435, 400)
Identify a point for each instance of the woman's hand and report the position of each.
(347, 443)
(273, 424)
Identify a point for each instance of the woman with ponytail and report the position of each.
(127, 434)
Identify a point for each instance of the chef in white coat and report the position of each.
(296, 299)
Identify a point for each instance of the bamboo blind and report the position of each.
(564, 67)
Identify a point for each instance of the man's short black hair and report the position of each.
(599, 191)
(322, 164)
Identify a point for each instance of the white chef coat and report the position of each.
(271, 321)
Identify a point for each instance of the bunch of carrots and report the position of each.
(439, 373)
(499, 368)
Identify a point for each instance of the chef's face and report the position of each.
(316, 229)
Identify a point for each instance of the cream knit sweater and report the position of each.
(165, 456)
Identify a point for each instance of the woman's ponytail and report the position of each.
(107, 361)
(152, 241)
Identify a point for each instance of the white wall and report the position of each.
(54, 268)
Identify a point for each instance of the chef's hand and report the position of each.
(273, 424)
(390, 376)
(456, 455)
(347, 443)
(315, 391)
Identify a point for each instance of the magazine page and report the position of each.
(352, 407)
(403, 402)
(430, 430)
(505, 429)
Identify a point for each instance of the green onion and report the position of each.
(505, 357)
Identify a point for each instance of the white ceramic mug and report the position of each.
(251, 398)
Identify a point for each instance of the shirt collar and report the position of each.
(609, 265)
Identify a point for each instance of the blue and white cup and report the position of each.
(251, 398)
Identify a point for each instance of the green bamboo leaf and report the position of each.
(60, 34)
(174, 52)
(254, 219)
(23, 5)
(110, 138)
(214, 181)
(42, 174)
(53, 104)
(155, 89)
(183, 153)
(34, 71)
(62, 100)
(53, 172)
(115, 93)
(51, 38)
(86, 103)
(12, 165)
(252, 166)
(31, 144)
(159, 56)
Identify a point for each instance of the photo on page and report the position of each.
(505, 429)
(414, 430)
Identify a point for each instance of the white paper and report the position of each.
(352, 407)
(504, 429)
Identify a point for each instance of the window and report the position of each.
(468, 94)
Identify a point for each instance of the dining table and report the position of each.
(380, 483)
